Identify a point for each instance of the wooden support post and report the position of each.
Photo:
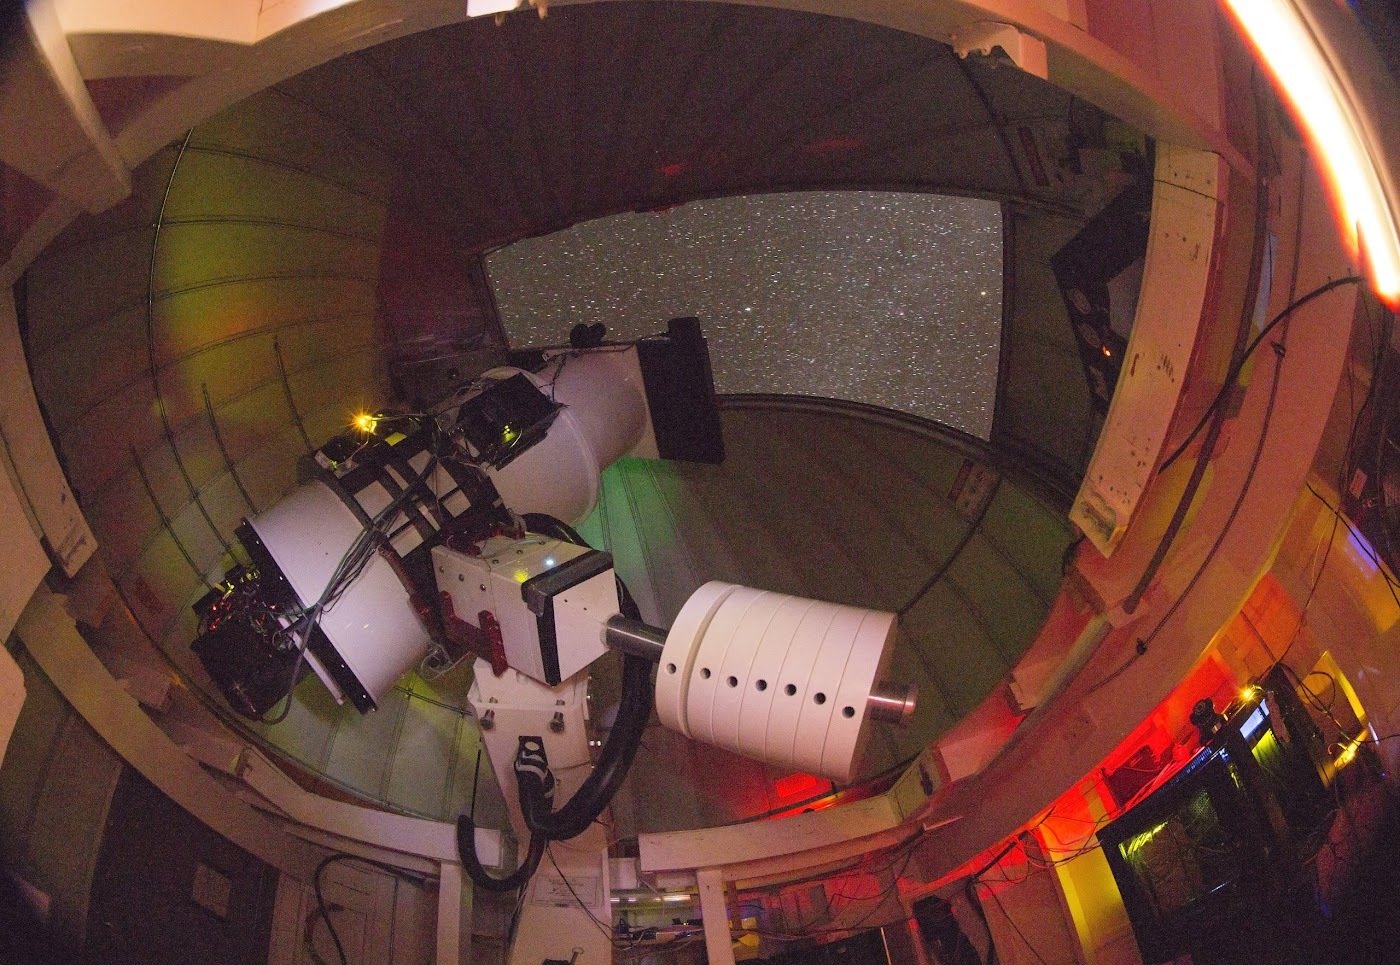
(450, 949)
(719, 947)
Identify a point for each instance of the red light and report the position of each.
(795, 786)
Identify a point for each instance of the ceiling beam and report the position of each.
(49, 128)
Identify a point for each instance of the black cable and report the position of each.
(1214, 417)
(970, 895)
(879, 899)
(534, 787)
(515, 918)
(466, 850)
(322, 907)
(599, 923)
(613, 763)
(1383, 440)
(630, 946)
(476, 777)
(1343, 477)
(1381, 566)
(292, 677)
(1225, 527)
(1012, 922)
(547, 525)
(324, 910)
(1249, 476)
(1312, 590)
(1382, 434)
(1311, 698)
(1238, 366)
(1344, 473)
(1139, 651)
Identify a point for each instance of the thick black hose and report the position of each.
(466, 850)
(607, 776)
(633, 713)
(547, 525)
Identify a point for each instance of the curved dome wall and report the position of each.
(230, 275)
(186, 345)
(843, 503)
(280, 258)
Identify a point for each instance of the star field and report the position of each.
(890, 299)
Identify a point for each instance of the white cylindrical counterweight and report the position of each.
(774, 677)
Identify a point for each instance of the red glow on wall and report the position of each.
(22, 200)
(804, 792)
(858, 886)
(798, 786)
(119, 99)
(1154, 751)
(428, 286)
(834, 145)
(673, 170)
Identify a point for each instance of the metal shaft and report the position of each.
(892, 702)
(635, 637)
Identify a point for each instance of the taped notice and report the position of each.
(553, 890)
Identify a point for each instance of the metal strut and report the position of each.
(291, 402)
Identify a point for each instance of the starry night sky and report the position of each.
(884, 298)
